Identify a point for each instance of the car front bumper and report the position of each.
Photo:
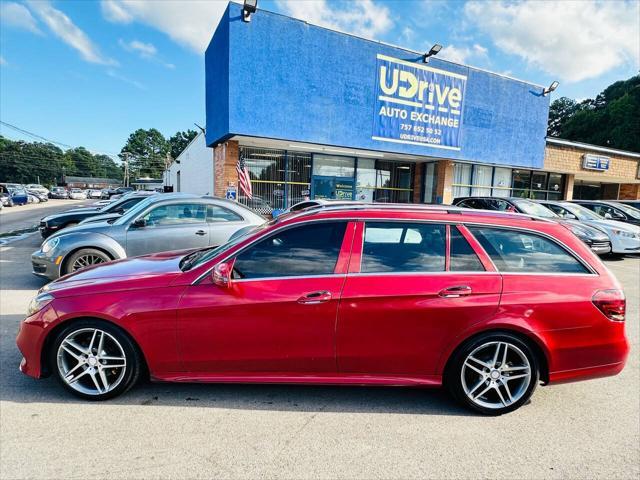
(46, 265)
(621, 244)
(600, 248)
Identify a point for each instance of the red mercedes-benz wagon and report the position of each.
(487, 304)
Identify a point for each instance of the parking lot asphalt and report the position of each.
(28, 216)
(581, 430)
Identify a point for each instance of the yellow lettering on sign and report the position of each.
(383, 81)
(410, 78)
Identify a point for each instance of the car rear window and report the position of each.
(523, 252)
(463, 257)
(403, 247)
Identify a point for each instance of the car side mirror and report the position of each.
(222, 274)
(608, 216)
(139, 223)
(120, 211)
(570, 216)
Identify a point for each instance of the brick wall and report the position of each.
(565, 159)
(225, 160)
(629, 191)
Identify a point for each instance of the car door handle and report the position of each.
(201, 232)
(455, 292)
(315, 297)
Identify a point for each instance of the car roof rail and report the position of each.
(414, 207)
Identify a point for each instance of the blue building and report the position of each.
(323, 114)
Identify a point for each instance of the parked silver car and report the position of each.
(159, 223)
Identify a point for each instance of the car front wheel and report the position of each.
(95, 360)
(494, 373)
(85, 257)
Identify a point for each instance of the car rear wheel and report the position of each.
(494, 373)
(85, 257)
(95, 360)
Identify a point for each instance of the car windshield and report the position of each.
(240, 236)
(632, 212)
(134, 211)
(581, 213)
(536, 209)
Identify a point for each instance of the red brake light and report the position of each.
(612, 303)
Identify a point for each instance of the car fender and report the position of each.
(73, 242)
(516, 326)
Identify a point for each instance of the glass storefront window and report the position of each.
(365, 179)
(430, 182)
(461, 179)
(539, 181)
(556, 183)
(481, 181)
(393, 182)
(501, 182)
(485, 180)
(333, 166)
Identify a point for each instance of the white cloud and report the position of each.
(190, 23)
(365, 17)
(148, 51)
(464, 55)
(17, 15)
(67, 31)
(3, 62)
(574, 40)
(122, 78)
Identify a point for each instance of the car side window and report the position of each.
(176, 214)
(310, 249)
(462, 256)
(216, 214)
(523, 252)
(403, 247)
(124, 206)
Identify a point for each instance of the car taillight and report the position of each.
(612, 303)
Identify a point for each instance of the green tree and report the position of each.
(147, 152)
(612, 119)
(180, 141)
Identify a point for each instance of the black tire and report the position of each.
(134, 363)
(454, 373)
(68, 265)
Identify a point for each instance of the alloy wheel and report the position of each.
(91, 361)
(86, 261)
(496, 375)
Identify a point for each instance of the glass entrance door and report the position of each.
(332, 188)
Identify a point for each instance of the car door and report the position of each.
(277, 316)
(405, 298)
(222, 224)
(170, 226)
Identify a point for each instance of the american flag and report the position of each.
(244, 181)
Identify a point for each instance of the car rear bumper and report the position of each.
(594, 352)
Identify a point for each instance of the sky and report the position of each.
(88, 73)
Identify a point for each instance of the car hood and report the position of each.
(149, 271)
(614, 224)
(100, 218)
(97, 227)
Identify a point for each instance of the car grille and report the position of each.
(37, 268)
(43, 224)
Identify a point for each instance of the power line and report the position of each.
(48, 140)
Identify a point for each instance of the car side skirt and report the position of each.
(320, 379)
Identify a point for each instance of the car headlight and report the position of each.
(50, 244)
(39, 302)
(581, 233)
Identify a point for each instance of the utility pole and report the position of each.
(126, 168)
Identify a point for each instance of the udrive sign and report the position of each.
(417, 104)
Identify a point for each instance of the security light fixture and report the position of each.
(550, 88)
(250, 6)
(434, 51)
